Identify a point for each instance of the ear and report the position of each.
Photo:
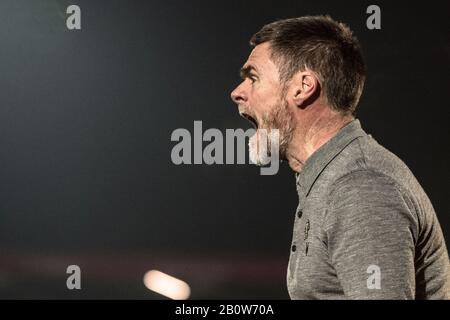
(305, 88)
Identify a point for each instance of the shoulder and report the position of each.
(369, 197)
(366, 166)
(363, 180)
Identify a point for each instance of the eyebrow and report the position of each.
(247, 71)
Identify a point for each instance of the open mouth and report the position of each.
(250, 119)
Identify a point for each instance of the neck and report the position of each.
(311, 133)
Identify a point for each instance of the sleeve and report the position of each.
(371, 236)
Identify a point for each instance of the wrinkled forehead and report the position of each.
(260, 58)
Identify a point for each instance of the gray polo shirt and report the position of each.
(364, 227)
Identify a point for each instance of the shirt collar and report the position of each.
(318, 161)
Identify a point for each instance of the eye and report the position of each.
(253, 78)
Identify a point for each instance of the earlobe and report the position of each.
(298, 95)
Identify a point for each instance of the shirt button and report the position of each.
(299, 214)
(294, 247)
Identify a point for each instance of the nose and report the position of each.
(238, 95)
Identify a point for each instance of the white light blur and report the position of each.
(166, 285)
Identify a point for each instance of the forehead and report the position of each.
(260, 58)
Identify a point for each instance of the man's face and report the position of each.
(260, 98)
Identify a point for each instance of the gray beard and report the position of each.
(260, 143)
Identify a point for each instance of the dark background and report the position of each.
(86, 117)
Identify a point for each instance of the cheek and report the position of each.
(264, 99)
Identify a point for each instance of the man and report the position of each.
(364, 228)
